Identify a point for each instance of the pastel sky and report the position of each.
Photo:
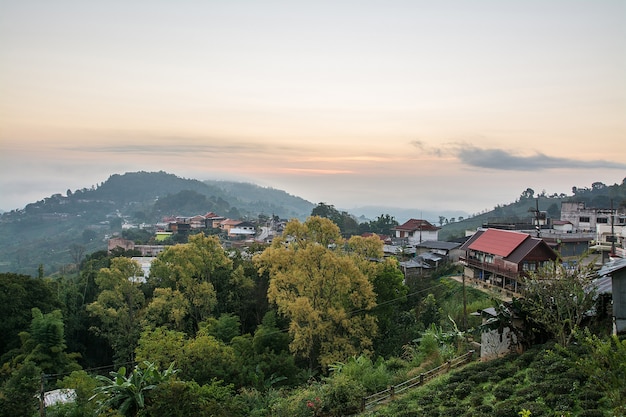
(431, 105)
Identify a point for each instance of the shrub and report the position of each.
(481, 377)
(297, 402)
(503, 392)
(506, 408)
(463, 390)
(536, 409)
(342, 396)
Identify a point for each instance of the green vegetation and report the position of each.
(306, 326)
(546, 380)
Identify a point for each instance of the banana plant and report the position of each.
(127, 393)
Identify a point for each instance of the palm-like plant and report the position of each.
(127, 393)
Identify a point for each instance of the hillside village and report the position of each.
(495, 256)
(438, 304)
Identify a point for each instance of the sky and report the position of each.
(426, 105)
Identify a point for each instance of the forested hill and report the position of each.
(599, 196)
(44, 231)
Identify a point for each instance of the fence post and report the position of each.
(392, 391)
(422, 379)
(362, 403)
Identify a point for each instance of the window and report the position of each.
(583, 219)
(529, 266)
(602, 220)
(489, 259)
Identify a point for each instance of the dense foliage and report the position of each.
(304, 327)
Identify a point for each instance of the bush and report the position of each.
(503, 392)
(481, 377)
(178, 398)
(299, 402)
(463, 390)
(506, 408)
(536, 409)
(342, 396)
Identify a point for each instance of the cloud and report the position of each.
(506, 160)
(181, 147)
(501, 159)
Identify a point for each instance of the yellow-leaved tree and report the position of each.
(318, 285)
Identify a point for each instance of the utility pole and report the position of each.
(612, 231)
(464, 305)
(42, 395)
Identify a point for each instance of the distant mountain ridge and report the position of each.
(44, 231)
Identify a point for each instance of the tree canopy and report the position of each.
(320, 288)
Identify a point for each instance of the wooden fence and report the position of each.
(421, 379)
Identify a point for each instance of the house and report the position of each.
(242, 230)
(414, 267)
(228, 224)
(213, 220)
(617, 271)
(501, 258)
(586, 219)
(416, 231)
(449, 250)
(496, 338)
(120, 243)
(563, 226)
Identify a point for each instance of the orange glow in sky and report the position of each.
(417, 104)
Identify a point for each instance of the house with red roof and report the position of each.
(416, 231)
(501, 258)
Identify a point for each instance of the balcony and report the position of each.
(509, 273)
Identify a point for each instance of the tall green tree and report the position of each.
(44, 344)
(320, 288)
(18, 393)
(18, 295)
(196, 269)
(119, 307)
(388, 284)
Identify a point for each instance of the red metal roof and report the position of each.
(498, 242)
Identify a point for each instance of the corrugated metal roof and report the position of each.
(523, 249)
(439, 244)
(610, 267)
(498, 242)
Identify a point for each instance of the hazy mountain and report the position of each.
(44, 231)
(403, 214)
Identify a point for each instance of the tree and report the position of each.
(44, 345)
(321, 290)
(557, 298)
(383, 224)
(19, 294)
(77, 252)
(347, 223)
(18, 394)
(527, 194)
(195, 269)
(119, 306)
